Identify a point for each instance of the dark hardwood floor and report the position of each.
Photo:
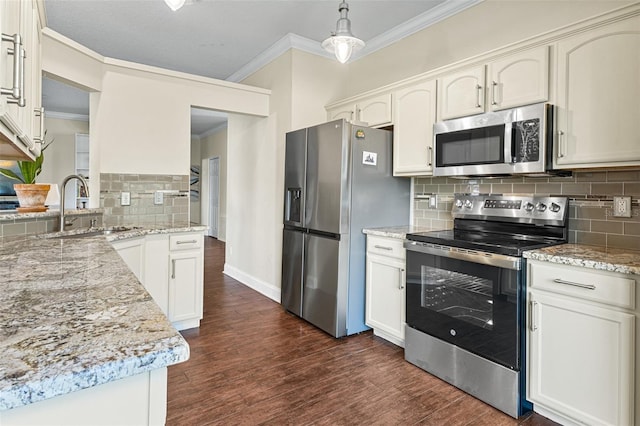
(252, 363)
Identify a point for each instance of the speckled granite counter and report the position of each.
(13, 214)
(602, 258)
(399, 232)
(73, 316)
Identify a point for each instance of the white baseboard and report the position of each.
(271, 291)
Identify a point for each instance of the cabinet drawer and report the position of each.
(391, 247)
(608, 288)
(185, 242)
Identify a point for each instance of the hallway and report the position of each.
(252, 363)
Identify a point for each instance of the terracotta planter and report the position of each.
(31, 196)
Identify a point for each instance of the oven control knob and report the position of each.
(468, 204)
(529, 207)
(541, 207)
(459, 203)
(554, 207)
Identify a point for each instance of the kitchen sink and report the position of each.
(90, 232)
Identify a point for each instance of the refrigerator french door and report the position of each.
(338, 180)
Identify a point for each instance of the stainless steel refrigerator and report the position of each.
(338, 180)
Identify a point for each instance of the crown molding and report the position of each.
(294, 41)
(66, 116)
(415, 24)
(289, 41)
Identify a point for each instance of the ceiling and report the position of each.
(223, 39)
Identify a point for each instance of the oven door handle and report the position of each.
(484, 258)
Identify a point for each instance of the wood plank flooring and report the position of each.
(252, 363)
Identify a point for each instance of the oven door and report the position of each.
(469, 299)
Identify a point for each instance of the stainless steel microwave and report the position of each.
(514, 141)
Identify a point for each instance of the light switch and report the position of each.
(125, 198)
(158, 197)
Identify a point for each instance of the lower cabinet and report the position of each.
(580, 341)
(385, 288)
(186, 281)
(170, 267)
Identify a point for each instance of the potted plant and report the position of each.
(31, 195)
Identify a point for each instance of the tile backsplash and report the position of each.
(591, 220)
(142, 211)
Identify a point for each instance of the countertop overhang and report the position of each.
(73, 316)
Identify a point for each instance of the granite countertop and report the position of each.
(594, 257)
(399, 232)
(13, 214)
(73, 316)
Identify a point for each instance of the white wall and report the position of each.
(250, 254)
(215, 145)
(60, 156)
(140, 115)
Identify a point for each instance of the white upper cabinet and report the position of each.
(20, 75)
(518, 79)
(462, 93)
(598, 92)
(375, 111)
(414, 112)
(372, 111)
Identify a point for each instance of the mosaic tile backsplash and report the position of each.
(591, 219)
(173, 212)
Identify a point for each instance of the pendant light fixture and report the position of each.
(174, 4)
(342, 43)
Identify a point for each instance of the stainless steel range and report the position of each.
(466, 290)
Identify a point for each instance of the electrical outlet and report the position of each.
(433, 201)
(158, 197)
(125, 198)
(622, 206)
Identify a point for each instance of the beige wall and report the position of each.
(140, 115)
(212, 146)
(60, 157)
(487, 26)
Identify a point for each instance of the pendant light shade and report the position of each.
(174, 4)
(342, 43)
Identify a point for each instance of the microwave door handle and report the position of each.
(510, 148)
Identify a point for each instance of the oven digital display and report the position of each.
(503, 204)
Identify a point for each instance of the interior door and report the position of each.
(320, 294)
(214, 195)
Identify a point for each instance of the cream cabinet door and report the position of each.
(375, 111)
(462, 93)
(414, 113)
(580, 360)
(598, 91)
(185, 286)
(385, 288)
(519, 79)
(342, 112)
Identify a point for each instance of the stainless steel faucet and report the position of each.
(64, 183)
